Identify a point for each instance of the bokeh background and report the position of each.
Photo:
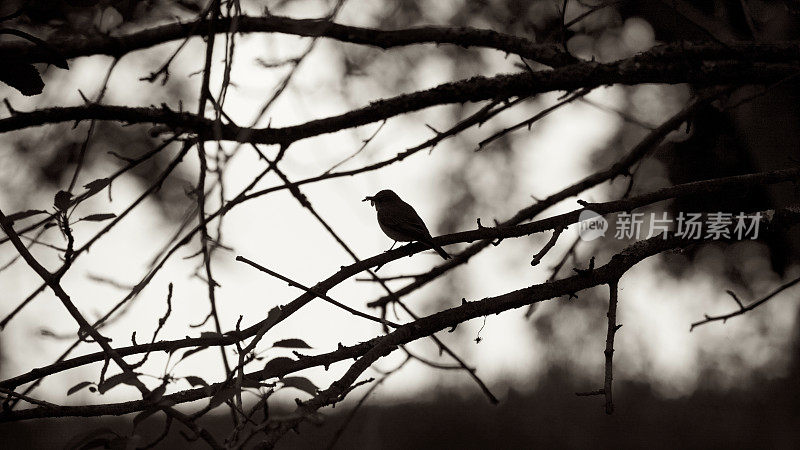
(731, 384)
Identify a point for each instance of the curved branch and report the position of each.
(743, 309)
(645, 68)
(548, 54)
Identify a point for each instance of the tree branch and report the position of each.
(743, 309)
(609, 351)
(653, 67)
(77, 45)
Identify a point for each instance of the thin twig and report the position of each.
(530, 121)
(537, 258)
(364, 144)
(318, 294)
(31, 400)
(743, 309)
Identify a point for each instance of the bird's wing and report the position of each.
(404, 219)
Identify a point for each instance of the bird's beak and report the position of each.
(371, 200)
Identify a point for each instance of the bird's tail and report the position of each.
(438, 249)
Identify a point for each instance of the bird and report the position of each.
(400, 222)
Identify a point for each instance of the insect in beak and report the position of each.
(371, 200)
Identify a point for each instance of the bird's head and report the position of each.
(381, 198)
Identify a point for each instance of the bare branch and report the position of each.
(609, 351)
(743, 309)
(656, 66)
(465, 37)
(537, 258)
(320, 295)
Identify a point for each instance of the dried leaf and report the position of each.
(96, 185)
(120, 378)
(50, 53)
(22, 77)
(302, 383)
(166, 403)
(291, 343)
(78, 387)
(191, 352)
(196, 381)
(99, 217)
(276, 367)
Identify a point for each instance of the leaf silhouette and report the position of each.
(120, 378)
(78, 387)
(276, 367)
(191, 352)
(22, 77)
(98, 217)
(96, 186)
(196, 381)
(291, 343)
(302, 383)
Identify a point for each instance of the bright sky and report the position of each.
(655, 308)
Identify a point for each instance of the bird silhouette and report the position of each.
(400, 221)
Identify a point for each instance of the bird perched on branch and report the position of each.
(400, 222)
